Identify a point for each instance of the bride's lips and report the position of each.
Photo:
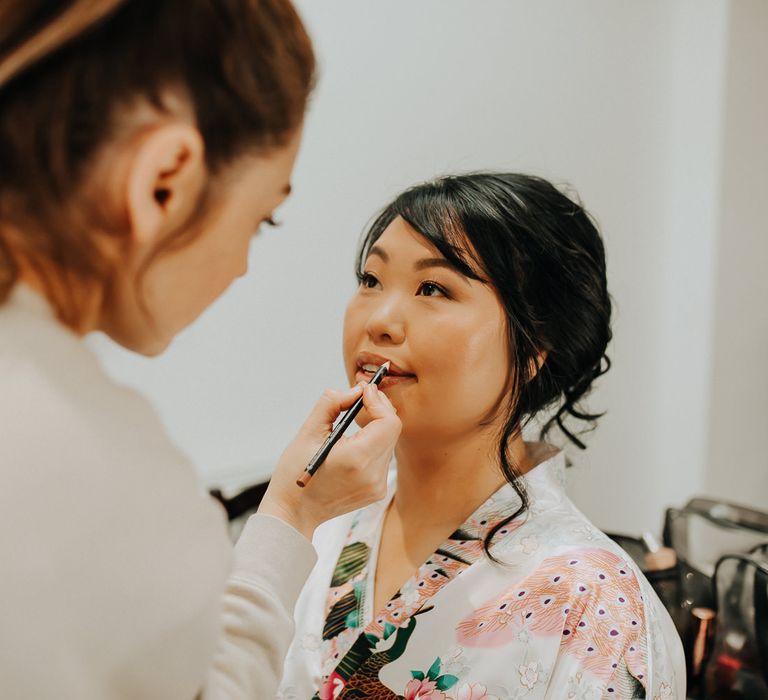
(367, 364)
(388, 381)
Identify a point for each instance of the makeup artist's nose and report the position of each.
(385, 325)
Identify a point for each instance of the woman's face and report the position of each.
(445, 335)
(180, 283)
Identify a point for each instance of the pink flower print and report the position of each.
(423, 690)
(332, 687)
(476, 691)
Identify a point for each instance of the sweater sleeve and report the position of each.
(273, 561)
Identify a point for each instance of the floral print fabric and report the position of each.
(566, 614)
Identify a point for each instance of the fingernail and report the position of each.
(372, 390)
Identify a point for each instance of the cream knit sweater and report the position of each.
(116, 576)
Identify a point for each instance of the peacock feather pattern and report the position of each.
(590, 598)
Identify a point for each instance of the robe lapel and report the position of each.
(352, 631)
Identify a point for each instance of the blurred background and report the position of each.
(655, 112)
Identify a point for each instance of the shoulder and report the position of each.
(70, 430)
(567, 591)
(590, 614)
(90, 455)
(121, 554)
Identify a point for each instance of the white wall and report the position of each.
(737, 464)
(691, 173)
(622, 99)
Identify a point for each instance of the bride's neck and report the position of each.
(441, 485)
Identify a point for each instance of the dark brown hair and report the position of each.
(246, 66)
(543, 254)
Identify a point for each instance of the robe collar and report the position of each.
(350, 620)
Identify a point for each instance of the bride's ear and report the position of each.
(536, 364)
(166, 175)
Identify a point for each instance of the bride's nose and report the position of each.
(386, 325)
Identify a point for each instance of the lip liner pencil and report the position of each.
(338, 431)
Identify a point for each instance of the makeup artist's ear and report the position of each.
(165, 178)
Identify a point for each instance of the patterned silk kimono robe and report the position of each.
(566, 614)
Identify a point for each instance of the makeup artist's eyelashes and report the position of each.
(269, 221)
(427, 288)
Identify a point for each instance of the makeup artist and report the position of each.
(142, 144)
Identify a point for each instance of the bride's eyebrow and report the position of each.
(421, 264)
(378, 251)
(427, 263)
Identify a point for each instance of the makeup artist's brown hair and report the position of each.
(544, 256)
(66, 68)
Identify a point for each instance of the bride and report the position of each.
(477, 578)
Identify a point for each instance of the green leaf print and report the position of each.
(434, 669)
(418, 675)
(446, 681)
(352, 561)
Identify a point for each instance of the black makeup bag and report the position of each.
(721, 611)
(702, 532)
(737, 666)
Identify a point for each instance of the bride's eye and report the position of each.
(367, 280)
(431, 289)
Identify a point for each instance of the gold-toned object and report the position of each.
(705, 623)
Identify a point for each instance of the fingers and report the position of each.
(355, 472)
(376, 438)
(328, 408)
(384, 427)
(377, 403)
